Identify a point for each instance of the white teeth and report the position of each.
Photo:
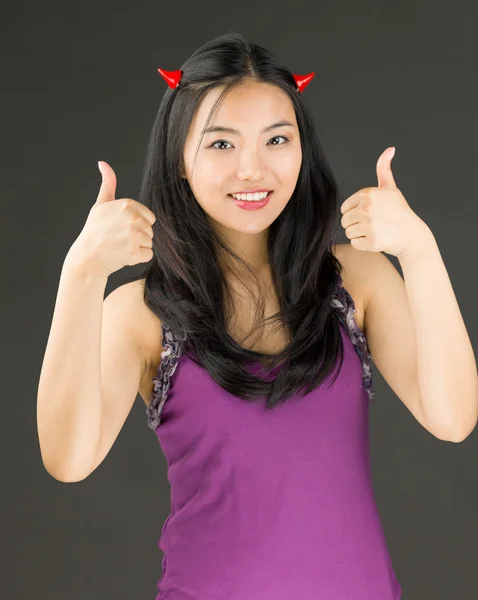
(251, 197)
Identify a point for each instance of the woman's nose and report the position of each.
(250, 166)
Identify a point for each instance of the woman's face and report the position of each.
(253, 157)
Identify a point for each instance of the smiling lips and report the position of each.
(251, 204)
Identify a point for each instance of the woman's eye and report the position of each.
(213, 145)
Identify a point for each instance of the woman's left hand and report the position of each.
(379, 219)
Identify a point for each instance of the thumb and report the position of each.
(384, 169)
(108, 184)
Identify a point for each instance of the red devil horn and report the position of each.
(303, 80)
(171, 77)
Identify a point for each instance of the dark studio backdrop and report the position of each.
(80, 84)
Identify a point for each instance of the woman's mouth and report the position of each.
(251, 204)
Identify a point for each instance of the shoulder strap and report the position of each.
(345, 305)
(169, 361)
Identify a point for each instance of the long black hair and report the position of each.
(184, 284)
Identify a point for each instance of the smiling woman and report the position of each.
(244, 340)
(259, 380)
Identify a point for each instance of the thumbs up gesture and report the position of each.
(379, 219)
(117, 232)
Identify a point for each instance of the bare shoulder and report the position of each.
(353, 280)
(148, 329)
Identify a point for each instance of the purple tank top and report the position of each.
(271, 505)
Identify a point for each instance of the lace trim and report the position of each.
(169, 361)
(346, 309)
(342, 300)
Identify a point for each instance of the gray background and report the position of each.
(80, 84)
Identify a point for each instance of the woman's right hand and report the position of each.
(117, 233)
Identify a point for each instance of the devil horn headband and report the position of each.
(173, 79)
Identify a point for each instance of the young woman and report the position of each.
(246, 338)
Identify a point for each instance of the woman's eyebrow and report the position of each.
(220, 128)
